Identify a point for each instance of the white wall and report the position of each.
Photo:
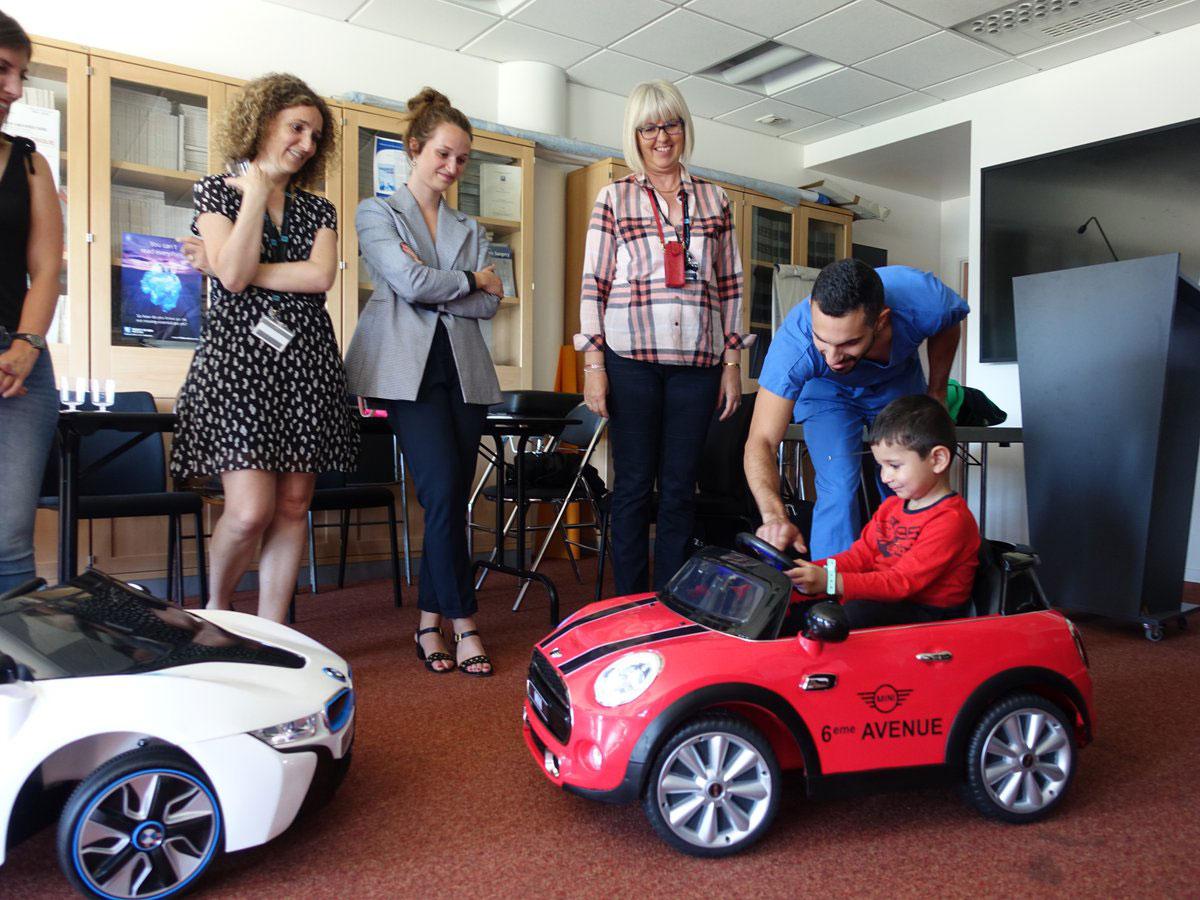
(1147, 85)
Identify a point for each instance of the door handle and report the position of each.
(936, 656)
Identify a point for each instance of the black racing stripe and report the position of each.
(616, 647)
(594, 616)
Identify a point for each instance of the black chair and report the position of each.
(133, 485)
(1006, 581)
(368, 487)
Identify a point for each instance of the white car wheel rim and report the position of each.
(714, 790)
(1026, 760)
(146, 835)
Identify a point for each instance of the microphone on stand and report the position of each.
(1082, 228)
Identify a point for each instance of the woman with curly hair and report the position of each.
(418, 347)
(264, 403)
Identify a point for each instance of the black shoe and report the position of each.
(479, 660)
(435, 656)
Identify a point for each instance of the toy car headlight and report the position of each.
(289, 732)
(627, 678)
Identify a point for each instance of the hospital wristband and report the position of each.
(831, 576)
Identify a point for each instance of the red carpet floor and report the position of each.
(444, 800)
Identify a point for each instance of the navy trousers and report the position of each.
(439, 433)
(658, 420)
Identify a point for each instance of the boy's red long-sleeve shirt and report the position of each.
(924, 556)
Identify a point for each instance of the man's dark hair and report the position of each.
(847, 285)
(916, 422)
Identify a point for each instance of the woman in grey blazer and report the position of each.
(418, 348)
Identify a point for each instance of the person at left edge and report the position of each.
(266, 417)
(30, 259)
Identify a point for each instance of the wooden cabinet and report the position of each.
(769, 232)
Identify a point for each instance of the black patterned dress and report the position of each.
(246, 406)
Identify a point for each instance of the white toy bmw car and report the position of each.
(173, 735)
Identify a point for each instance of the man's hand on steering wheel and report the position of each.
(779, 532)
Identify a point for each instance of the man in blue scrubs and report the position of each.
(838, 359)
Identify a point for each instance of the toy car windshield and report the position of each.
(98, 626)
(729, 592)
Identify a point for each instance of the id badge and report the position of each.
(273, 333)
(673, 264)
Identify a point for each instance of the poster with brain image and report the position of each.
(160, 291)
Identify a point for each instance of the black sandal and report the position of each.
(435, 656)
(479, 660)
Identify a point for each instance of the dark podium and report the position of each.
(1109, 363)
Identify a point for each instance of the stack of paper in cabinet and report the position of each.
(501, 256)
(499, 191)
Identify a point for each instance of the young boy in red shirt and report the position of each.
(916, 558)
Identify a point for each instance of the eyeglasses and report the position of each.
(649, 132)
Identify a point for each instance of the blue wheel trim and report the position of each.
(217, 833)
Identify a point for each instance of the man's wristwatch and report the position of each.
(36, 341)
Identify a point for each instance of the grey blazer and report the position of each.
(387, 354)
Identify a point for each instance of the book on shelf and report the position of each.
(501, 256)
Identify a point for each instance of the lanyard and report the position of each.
(687, 219)
(277, 240)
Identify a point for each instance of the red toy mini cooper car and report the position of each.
(694, 702)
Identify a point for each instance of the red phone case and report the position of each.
(673, 264)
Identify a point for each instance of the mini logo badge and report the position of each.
(885, 698)
(555, 653)
(334, 674)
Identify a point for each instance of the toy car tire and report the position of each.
(146, 823)
(713, 789)
(1020, 759)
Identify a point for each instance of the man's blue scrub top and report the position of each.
(921, 307)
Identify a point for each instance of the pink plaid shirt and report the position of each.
(625, 303)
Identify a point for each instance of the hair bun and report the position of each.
(428, 97)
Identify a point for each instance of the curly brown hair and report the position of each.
(427, 110)
(248, 118)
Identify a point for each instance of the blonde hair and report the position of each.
(248, 119)
(648, 102)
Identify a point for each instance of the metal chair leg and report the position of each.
(172, 535)
(495, 550)
(201, 561)
(404, 511)
(602, 553)
(344, 531)
(391, 511)
(312, 555)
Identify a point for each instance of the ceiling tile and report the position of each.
(841, 92)
(793, 117)
(618, 73)
(765, 17)
(932, 60)
(1088, 45)
(428, 21)
(1180, 16)
(947, 12)
(711, 98)
(510, 41)
(819, 132)
(599, 23)
(856, 32)
(686, 41)
(890, 109)
(1010, 70)
(333, 9)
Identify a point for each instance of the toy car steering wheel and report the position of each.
(764, 551)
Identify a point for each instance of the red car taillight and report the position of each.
(1078, 638)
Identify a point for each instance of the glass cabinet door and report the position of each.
(824, 237)
(53, 113)
(769, 238)
(151, 142)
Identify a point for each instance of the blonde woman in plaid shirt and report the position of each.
(660, 309)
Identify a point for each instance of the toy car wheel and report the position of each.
(714, 788)
(1020, 759)
(146, 824)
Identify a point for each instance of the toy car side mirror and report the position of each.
(826, 622)
(12, 671)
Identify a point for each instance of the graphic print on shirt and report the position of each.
(896, 538)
